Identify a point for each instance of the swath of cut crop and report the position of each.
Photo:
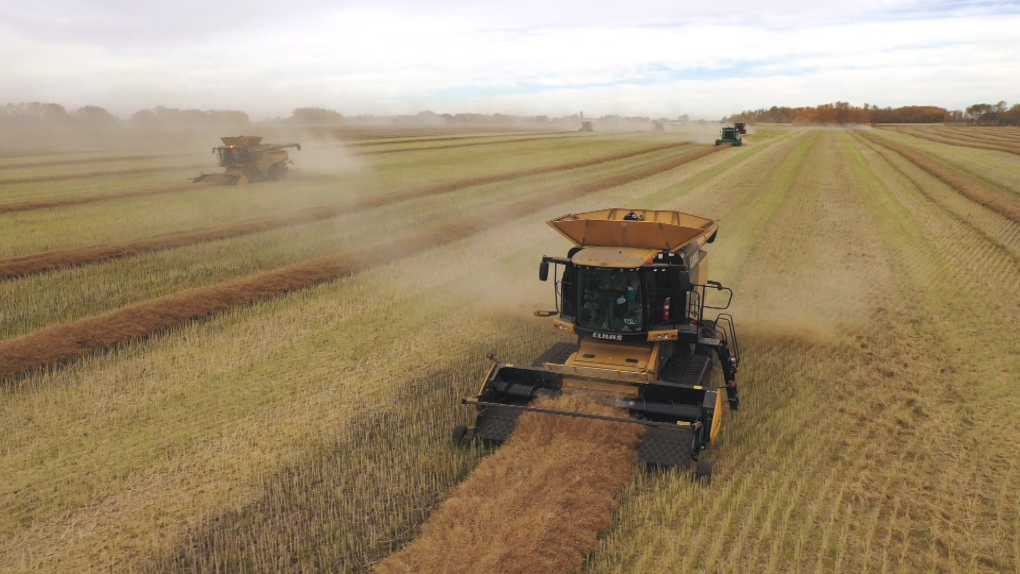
(374, 141)
(473, 144)
(536, 505)
(969, 187)
(959, 142)
(95, 174)
(79, 161)
(977, 229)
(81, 200)
(58, 343)
(40, 262)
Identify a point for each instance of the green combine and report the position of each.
(730, 136)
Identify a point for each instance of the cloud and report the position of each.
(651, 58)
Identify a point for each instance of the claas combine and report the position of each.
(633, 291)
(247, 160)
(730, 136)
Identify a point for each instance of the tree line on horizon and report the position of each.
(50, 115)
(842, 113)
(39, 114)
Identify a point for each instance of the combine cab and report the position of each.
(658, 127)
(633, 291)
(730, 136)
(248, 160)
(586, 126)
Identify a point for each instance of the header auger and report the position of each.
(248, 160)
(633, 291)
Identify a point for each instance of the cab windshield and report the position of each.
(232, 156)
(610, 300)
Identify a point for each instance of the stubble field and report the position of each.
(264, 378)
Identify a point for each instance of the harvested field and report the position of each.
(472, 144)
(71, 201)
(61, 342)
(962, 141)
(100, 174)
(280, 398)
(975, 190)
(388, 141)
(69, 257)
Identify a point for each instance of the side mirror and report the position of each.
(543, 271)
(299, 147)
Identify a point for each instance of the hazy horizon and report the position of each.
(651, 58)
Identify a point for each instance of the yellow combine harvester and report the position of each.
(633, 290)
(248, 160)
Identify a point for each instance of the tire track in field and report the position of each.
(536, 505)
(50, 260)
(59, 343)
(967, 186)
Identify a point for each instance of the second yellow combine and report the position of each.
(633, 291)
(247, 160)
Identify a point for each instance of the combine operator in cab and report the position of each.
(633, 290)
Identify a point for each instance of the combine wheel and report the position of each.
(459, 432)
(277, 172)
(703, 473)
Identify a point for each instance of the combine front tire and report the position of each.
(278, 172)
(459, 435)
(703, 472)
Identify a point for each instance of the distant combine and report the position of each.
(730, 136)
(248, 160)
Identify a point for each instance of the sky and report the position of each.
(652, 58)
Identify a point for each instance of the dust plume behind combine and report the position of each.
(534, 506)
(320, 154)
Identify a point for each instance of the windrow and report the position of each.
(536, 505)
(95, 174)
(58, 343)
(80, 200)
(472, 144)
(967, 186)
(959, 142)
(78, 256)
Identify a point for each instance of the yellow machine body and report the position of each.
(246, 159)
(633, 291)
